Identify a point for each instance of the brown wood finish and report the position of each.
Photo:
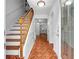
(14, 34)
(12, 57)
(17, 30)
(42, 49)
(12, 47)
(12, 40)
(67, 51)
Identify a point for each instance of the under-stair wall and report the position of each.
(30, 40)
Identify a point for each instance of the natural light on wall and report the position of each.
(41, 3)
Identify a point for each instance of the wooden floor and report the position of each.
(42, 49)
(67, 51)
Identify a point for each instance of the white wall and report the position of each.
(53, 27)
(14, 9)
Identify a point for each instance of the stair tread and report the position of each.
(23, 23)
(13, 34)
(12, 40)
(12, 56)
(17, 26)
(17, 30)
(12, 47)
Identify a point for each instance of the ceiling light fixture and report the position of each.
(69, 2)
(41, 3)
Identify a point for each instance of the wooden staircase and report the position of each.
(16, 36)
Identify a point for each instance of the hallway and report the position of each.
(42, 49)
(27, 21)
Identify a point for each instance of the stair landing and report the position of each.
(42, 49)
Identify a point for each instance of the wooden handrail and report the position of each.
(30, 10)
(22, 20)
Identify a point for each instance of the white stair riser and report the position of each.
(18, 25)
(12, 43)
(12, 52)
(13, 37)
(13, 32)
(15, 28)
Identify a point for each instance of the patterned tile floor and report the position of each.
(42, 49)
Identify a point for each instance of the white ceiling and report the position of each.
(41, 10)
